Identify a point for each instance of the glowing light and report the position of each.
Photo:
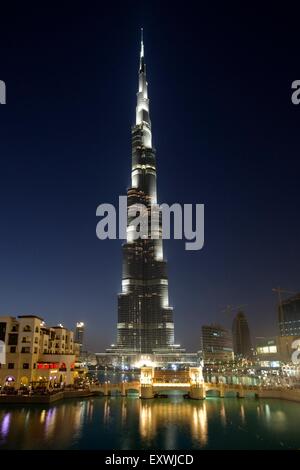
(145, 361)
(171, 384)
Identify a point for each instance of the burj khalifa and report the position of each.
(145, 318)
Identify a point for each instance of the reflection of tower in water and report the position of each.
(155, 415)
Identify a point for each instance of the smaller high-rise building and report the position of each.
(216, 344)
(241, 336)
(289, 316)
(79, 334)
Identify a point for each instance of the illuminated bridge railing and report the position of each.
(171, 384)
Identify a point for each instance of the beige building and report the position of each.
(35, 354)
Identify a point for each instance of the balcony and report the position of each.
(25, 351)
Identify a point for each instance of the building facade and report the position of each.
(35, 353)
(145, 318)
(216, 344)
(289, 316)
(242, 346)
(268, 352)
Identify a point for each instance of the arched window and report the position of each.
(27, 328)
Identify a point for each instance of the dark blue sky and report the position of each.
(226, 134)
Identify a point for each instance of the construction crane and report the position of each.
(280, 291)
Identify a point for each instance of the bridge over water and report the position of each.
(190, 382)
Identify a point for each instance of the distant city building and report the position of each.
(241, 336)
(79, 334)
(35, 353)
(268, 352)
(289, 316)
(216, 343)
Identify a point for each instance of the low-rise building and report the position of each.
(35, 354)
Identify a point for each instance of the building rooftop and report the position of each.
(30, 316)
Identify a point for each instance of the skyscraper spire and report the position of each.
(142, 108)
(142, 54)
(142, 43)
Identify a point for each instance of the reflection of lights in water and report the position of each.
(27, 416)
(106, 413)
(146, 429)
(5, 424)
(43, 416)
(223, 414)
(80, 412)
(199, 424)
(243, 414)
(268, 412)
(124, 411)
(90, 409)
(50, 422)
(153, 415)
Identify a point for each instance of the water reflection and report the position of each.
(106, 411)
(242, 414)
(156, 415)
(199, 427)
(223, 414)
(130, 423)
(5, 425)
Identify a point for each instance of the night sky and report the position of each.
(226, 134)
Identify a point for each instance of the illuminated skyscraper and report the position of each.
(145, 319)
(79, 334)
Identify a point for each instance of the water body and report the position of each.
(170, 423)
